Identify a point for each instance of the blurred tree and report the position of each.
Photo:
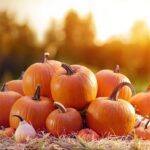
(18, 47)
(79, 37)
(54, 37)
(140, 33)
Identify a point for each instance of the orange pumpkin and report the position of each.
(88, 135)
(40, 73)
(33, 109)
(111, 116)
(141, 102)
(7, 99)
(63, 121)
(107, 80)
(16, 85)
(143, 132)
(74, 86)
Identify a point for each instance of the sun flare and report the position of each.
(111, 17)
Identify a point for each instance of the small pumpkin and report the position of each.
(7, 99)
(143, 132)
(63, 121)
(74, 86)
(110, 115)
(9, 132)
(88, 135)
(16, 85)
(40, 73)
(141, 102)
(33, 109)
(107, 80)
(24, 130)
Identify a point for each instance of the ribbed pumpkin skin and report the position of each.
(107, 80)
(7, 99)
(34, 112)
(40, 73)
(141, 102)
(76, 90)
(110, 117)
(59, 123)
(15, 85)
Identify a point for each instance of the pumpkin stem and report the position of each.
(146, 125)
(37, 93)
(117, 69)
(21, 76)
(118, 87)
(139, 123)
(45, 57)
(3, 88)
(19, 117)
(68, 68)
(60, 106)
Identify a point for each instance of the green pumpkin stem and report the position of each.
(117, 69)
(68, 68)
(21, 76)
(19, 117)
(37, 93)
(45, 57)
(3, 88)
(118, 87)
(146, 125)
(60, 106)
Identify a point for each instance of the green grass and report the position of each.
(44, 141)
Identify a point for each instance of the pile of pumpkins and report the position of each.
(52, 94)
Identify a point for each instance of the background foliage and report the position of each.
(74, 42)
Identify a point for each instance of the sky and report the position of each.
(111, 17)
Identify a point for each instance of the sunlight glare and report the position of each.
(111, 17)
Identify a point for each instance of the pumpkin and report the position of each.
(16, 85)
(33, 109)
(88, 135)
(7, 99)
(143, 132)
(40, 73)
(63, 121)
(9, 132)
(110, 115)
(24, 131)
(141, 102)
(107, 80)
(74, 86)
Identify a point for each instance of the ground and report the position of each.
(44, 141)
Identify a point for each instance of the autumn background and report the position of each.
(98, 34)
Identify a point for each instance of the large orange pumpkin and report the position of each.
(33, 109)
(16, 85)
(141, 102)
(63, 121)
(107, 80)
(74, 86)
(7, 99)
(40, 73)
(111, 116)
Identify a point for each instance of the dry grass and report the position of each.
(44, 141)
